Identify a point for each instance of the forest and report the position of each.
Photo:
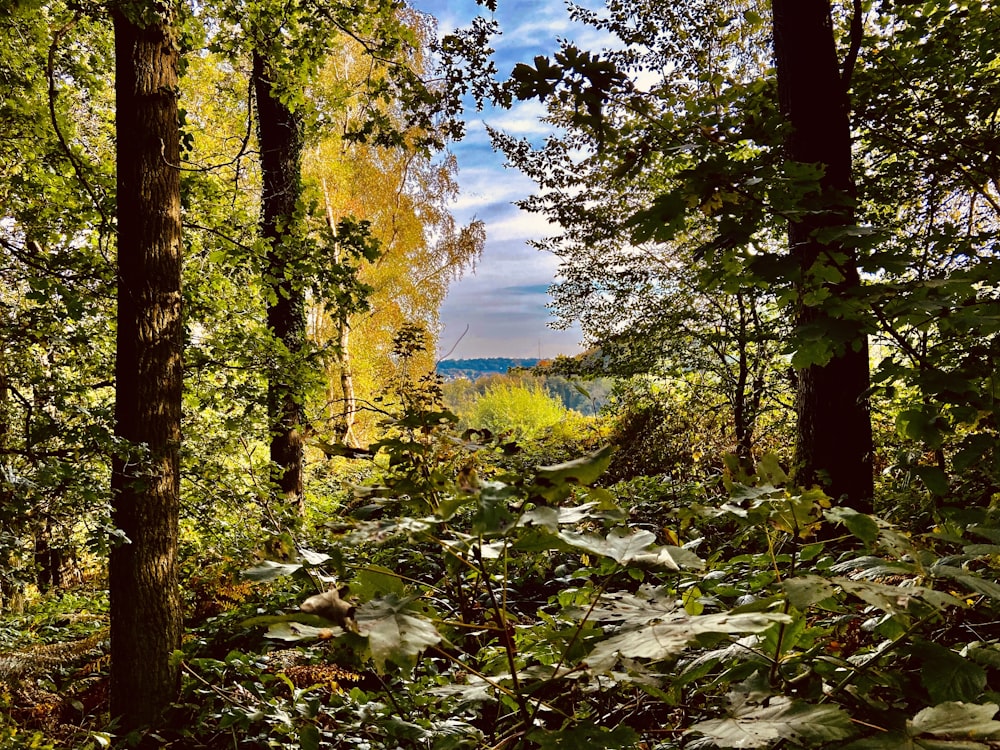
(240, 508)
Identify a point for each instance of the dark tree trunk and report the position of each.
(279, 132)
(145, 484)
(834, 438)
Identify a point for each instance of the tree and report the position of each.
(56, 287)
(702, 167)
(833, 432)
(403, 190)
(279, 134)
(145, 598)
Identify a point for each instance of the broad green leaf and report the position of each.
(970, 581)
(946, 675)
(862, 526)
(663, 640)
(551, 518)
(396, 631)
(269, 570)
(297, 631)
(805, 591)
(896, 599)
(314, 558)
(961, 720)
(556, 482)
(309, 737)
(770, 471)
(637, 548)
(375, 581)
(934, 478)
(754, 725)
(797, 514)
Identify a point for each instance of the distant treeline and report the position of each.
(452, 369)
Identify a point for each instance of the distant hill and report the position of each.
(452, 369)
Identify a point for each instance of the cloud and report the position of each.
(503, 304)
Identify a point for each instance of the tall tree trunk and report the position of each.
(834, 437)
(279, 132)
(347, 414)
(145, 483)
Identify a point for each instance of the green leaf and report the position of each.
(375, 581)
(933, 478)
(754, 725)
(637, 548)
(956, 719)
(769, 470)
(396, 630)
(862, 526)
(556, 482)
(309, 737)
(269, 570)
(946, 675)
(297, 631)
(663, 640)
(807, 590)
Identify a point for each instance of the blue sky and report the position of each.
(503, 302)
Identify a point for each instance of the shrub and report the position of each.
(524, 411)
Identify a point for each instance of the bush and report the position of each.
(524, 411)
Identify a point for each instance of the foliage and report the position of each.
(533, 613)
(524, 412)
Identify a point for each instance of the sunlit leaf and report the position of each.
(396, 629)
(780, 718)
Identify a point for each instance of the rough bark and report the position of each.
(834, 438)
(145, 600)
(279, 133)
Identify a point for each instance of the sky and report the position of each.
(503, 303)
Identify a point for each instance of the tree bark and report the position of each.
(834, 437)
(279, 132)
(145, 484)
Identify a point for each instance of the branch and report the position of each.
(51, 76)
(857, 32)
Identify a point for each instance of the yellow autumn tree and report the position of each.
(404, 191)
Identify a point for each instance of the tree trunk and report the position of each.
(834, 438)
(145, 483)
(279, 132)
(347, 414)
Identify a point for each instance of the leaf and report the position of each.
(780, 719)
(896, 599)
(805, 591)
(314, 558)
(636, 548)
(396, 631)
(269, 570)
(934, 479)
(948, 676)
(375, 581)
(550, 518)
(663, 640)
(864, 527)
(297, 631)
(962, 720)
(555, 482)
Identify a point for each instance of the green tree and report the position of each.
(56, 288)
